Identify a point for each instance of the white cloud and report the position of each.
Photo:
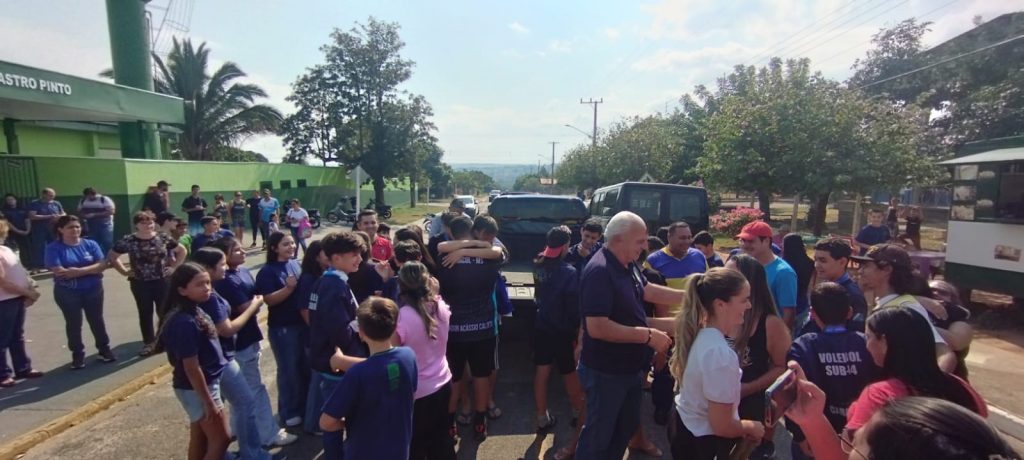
(519, 28)
(560, 46)
(667, 60)
(612, 33)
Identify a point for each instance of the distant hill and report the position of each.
(504, 175)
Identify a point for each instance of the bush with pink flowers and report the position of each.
(729, 223)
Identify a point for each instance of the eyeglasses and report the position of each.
(847, 445)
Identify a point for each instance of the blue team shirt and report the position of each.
(858, 304)
(332, 310)
(268, 208)
(202, 239)
(375, 397)
(782, 282)
(219, 311)
(270, 279)
(837, 360)
(873, 235)
(85, 253)
(182, 339)
(239, 288)
(556, 292)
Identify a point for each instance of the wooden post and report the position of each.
(856, 214)
(796, 208)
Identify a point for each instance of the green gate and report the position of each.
(18, 176)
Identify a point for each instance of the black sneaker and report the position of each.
(77, 363)
(107, 356)
(765, 451)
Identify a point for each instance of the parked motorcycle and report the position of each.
(314, 217)
(383, 210)
(339, 212)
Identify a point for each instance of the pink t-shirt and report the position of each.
(13, 271)
(876, 395)
(430, 353)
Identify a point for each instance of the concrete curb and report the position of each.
(20, 445)
(1009, 423)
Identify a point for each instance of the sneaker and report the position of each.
(283, 438)
(107, 356)
(480, 426)
(7, 383)
(77, 363)
(766, 450)
(293, 422)
(545, 422)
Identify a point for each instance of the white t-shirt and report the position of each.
(13, 272)
(295, 216)
(712, 374)
(894, 300)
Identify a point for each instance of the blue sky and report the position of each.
(503, 77)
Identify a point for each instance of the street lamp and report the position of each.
(580, 130)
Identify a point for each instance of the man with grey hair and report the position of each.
(617, 337)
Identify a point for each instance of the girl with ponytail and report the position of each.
(707, 370)
(423, 327)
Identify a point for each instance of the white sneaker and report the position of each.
(282, 439)
(293, 422)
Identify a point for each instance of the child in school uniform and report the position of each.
(374, 400)
(193, 349)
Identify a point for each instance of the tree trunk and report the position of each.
(856, 214)
(378, 190)
(412, 193)
(820, 209)
(793, 221)
(765, 204)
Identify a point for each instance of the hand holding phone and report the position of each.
(779, 396)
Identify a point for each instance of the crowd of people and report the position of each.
(384, 347)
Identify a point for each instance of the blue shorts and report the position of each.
(237, 223)
(193, 404)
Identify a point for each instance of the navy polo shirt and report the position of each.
(183, 339)
(609, 289)
(270, 279)
(858, 304)
(871, 236)
(219, 310)
(202, 239)
(332, 311)
(574, 258)
(238, 288)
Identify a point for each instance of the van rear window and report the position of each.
(684, 205)
(538, 208)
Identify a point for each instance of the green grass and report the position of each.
(405, 215)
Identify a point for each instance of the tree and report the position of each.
(227, 153)
(351, 110)
(528, 183)
(219, 111)
(473, 182)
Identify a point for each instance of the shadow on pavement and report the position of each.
(62, 379)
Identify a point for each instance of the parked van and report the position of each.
(658, 204)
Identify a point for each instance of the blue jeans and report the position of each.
(289, 346)
(73, 303)
(613, 413)
(39, 240)
(314, 404)
(298, 240)
(12, 337)
(243, 412)
(334, 441)
(103, 235)
(248, 359)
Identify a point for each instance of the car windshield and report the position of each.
(466, 199)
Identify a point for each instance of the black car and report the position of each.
(524, 220)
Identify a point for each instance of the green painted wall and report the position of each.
(126, 181)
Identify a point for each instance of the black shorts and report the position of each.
(555, 349)
(482, 356)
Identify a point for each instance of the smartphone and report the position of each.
(778, 397)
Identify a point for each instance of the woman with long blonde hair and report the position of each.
(706, 368)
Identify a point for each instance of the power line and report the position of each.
(859, 45)
(796, 47)
(807, 50)
(771, 49)
(929, 66)
(594, 103)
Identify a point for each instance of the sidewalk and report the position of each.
(32, 404)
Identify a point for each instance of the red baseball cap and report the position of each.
(757, 229)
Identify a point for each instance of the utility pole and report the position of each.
(594, 103)
(552, 172)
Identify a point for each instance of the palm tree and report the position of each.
(218, 112)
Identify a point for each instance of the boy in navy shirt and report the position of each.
(873, 233)
(590, 241)
(211, 232)
(836, 359)
(374, 400)
(333, 346)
